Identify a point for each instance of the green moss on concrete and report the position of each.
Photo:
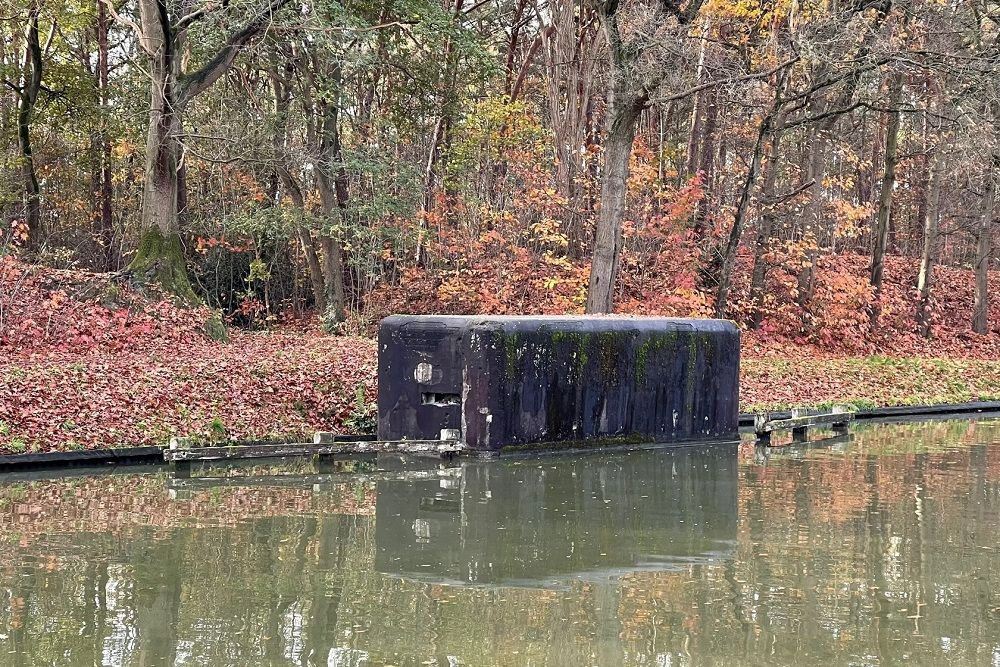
(692, 366)
(692, 376)
(610, 345)
(654, 343)
(708, 347)
(583, 343)
(590, 443)
(578, 340)
(514, 352)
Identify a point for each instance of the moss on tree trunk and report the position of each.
(159, 261)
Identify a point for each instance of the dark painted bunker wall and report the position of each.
(518, 382)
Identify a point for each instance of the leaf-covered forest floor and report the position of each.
(86, 363)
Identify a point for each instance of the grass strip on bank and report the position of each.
(773, 383)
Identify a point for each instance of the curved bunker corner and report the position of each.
(547, 382)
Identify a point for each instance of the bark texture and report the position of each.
(31, 85)
(925, 279)
(981, 303)
(885, 195)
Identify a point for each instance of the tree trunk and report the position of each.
(812, 219)
(28, 95)
(160, 258)
(512, 47)
(316, 277)
(568, 44)
(430, 166)
(691, 165)
(333, 279)
(312, 264)
(743, 208)
(932, 212)
(981, 305)
(105, 194)
(758, 278)
(434, 169)
(282, 99)
(885, 196)
(918, 220)
(706, 161)
(614, 186)
(626, 98)
(333, 194)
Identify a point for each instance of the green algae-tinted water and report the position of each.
(883, 550)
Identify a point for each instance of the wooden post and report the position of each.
(178, 442)
(801, 420)
(761, 453)
(328, 438)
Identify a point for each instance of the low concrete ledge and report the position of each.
(86, 457)
(154, 455)
(747, 418)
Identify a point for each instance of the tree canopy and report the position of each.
(710, 157)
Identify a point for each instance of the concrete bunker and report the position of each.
(513, 383)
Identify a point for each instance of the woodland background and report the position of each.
(823, 173)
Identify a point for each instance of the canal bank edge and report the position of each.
(899, 411)
(148, 455)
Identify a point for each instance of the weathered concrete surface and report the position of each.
(522, 382)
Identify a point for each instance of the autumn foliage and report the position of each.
(497, 277)
(87, 362)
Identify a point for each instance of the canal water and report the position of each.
(877, 549)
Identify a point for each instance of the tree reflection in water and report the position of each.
(882, 551)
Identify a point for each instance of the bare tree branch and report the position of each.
(778, 199)
(204, 10)
(723, 82)
(128, 22)
(196, 83)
